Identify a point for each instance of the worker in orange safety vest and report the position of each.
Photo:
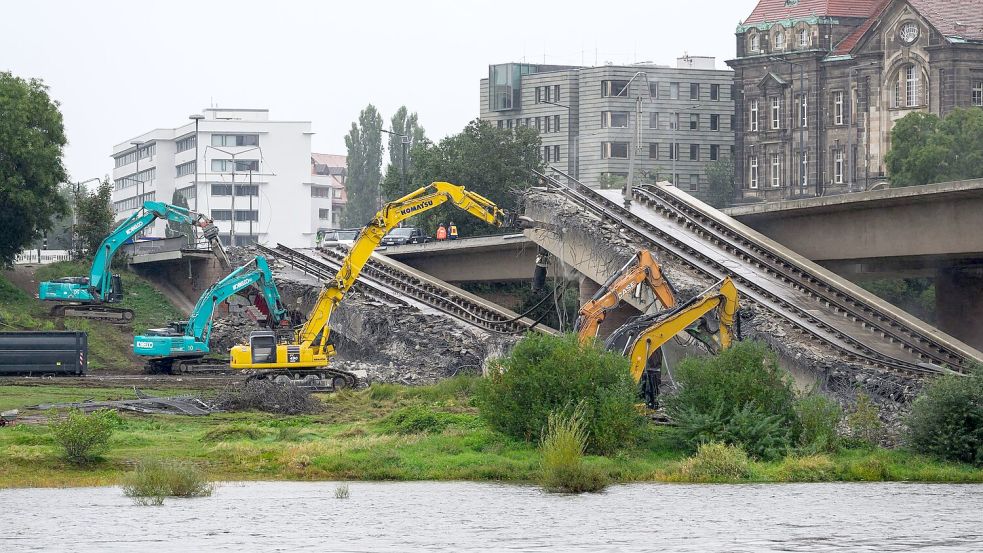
(452, 231)
(441, 233)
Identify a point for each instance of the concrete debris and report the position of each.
(262, 395)
(177, 405)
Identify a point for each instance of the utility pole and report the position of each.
(197, 117)
(250, 192)
(634, 150)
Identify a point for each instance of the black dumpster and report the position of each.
(43, 353)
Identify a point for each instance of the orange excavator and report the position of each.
(641, 269)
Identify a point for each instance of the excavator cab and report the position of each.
(262, 344)
(115, 289)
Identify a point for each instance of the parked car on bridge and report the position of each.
(405, 235)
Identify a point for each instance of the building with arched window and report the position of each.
(819, 84)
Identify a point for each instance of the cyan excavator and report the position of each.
(183, 346)
(304, 359)
(88, 296)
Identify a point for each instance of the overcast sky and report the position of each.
(122, 68)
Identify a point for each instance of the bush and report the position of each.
(544, 374)
(154, 480)
(819, 418)
(947, 420)
(421, 419)
(740, 397)
(811, 468)
(562, 446)
(82, 437)
(864, 422)
(269, 397)
(714, 462)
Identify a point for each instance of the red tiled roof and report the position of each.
(774, 10)
(961, 18)
(847, 44)
(331, 160)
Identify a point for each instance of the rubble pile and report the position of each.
(263, 395)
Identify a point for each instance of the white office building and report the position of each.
(255, 177)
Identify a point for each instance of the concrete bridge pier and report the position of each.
(614, 318)
(959, 303)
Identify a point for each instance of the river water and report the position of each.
(455, 516)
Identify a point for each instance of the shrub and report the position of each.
(544, 374)
(819, 417)
(562, 446)
(421, 419)
(947, 420)
(267, 396)
(864, 421)
(740, 396)
(153, 480)
(82, 437)
(811, 468)
(229, 432)
(714, 462)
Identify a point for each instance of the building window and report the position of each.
(247, 215)
(838, 166)
(804, 168)
(694, 152)
(753, 117)
(978, 93)
(221, 214)
(673, 91)
(694, 91)
(753, 172)
(539, 124)
(804, 37)
(803, 110)
(556, 153)
(189, 193)
(714, 122)
(654, 90)
(235, 140)
(714, 152)
(614, 88)
(613, 180)
(241, 190)
(508, 124)
(548, 96)
(614, 119)
(753, 45)
(614, 150)
(556, 93)
(227, 166)
(674, 151)
(556, 123)
(134, 202)
(715, 92)
(185, 169)
(654, 120)
(911, 85)
(837, 108)
(501, 124)
(324, 214)
(694, 183)
(319, 191)
(780, 40)
(694, 121)
(539, 94)
(548, 122)
(776, 170)
(653, 150)
(674, 121)
(185, 143)
(145, 176)
(776, 112)
(547, 154)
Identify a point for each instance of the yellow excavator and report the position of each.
(642, 338)
(304, 360)
(640, 269)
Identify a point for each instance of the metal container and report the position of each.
(43, 353)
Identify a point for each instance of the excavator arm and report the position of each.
(641, 268)
(314, 332)
(654, 331)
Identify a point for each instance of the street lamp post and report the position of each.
(232, 227)
(634, 149)
(196, 117)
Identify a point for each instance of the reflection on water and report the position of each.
(454, 516)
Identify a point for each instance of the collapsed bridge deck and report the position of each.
(824, 308)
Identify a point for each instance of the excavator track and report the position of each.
(320, 379)
(113, 315)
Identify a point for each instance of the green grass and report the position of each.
(353, 440)
(20, 311)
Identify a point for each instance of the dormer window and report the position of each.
(804, 37)
(753, 44)
(780, 40)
